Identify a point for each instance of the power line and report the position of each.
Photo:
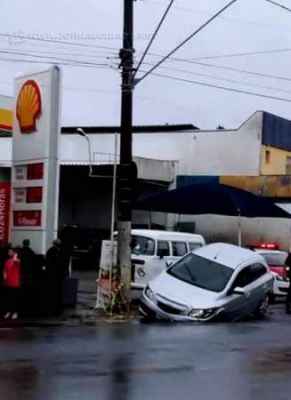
(154, 36)
(228, 89)
(223, 67)
(62, 42)
(250, 53)
(190, 37)
(18, 53)
(224, 79)
(275, 3)
(56, 53)
(253, 73)
(187, 10)
(70, 64)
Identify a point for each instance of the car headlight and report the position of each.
(149, 293)
(203, 313)
(279, 278)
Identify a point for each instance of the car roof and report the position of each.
(269, 251)
(230, 255)
(167, 235)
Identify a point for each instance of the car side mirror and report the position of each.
(239, 290)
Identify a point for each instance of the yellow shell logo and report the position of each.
(28, 107)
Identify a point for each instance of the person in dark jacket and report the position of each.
(56, 272)
(68, 237)
(29, 273)
(288, 300)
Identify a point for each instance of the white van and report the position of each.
(153, 251)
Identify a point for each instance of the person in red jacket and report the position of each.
(11, 281)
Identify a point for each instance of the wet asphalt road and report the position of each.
(134, 361)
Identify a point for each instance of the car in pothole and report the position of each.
(216, 282)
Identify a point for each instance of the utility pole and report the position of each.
(126, 164)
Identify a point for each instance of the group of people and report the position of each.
(25, 275)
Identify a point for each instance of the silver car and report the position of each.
(218, 281)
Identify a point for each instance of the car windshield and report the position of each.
(277, 259)
(141, 245)
(201, 272)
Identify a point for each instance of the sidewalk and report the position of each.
(84, 313)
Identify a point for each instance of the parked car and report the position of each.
(218, 281)
(153, 251)
(276, 261)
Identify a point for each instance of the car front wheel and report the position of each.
(263, 307)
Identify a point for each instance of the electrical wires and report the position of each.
(225, 88)
(190, 37)
(275, 3)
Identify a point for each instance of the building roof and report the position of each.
(91, 130)
(276, 132)
(69, 130)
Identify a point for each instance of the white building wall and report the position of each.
(220, 152)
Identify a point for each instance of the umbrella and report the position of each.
(212, 198)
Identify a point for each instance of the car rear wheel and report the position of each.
(262, 309)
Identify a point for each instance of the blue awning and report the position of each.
(211, 198)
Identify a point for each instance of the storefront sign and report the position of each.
(27, 218)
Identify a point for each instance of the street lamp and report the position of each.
(82, 133)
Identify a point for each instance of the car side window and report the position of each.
(163, 248)
(243, 279)
(257, 270)
(179, 249)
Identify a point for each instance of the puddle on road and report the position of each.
(272, 362)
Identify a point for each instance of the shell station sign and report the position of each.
(28, 106)
(35, 173)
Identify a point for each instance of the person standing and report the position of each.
(68, 240)
(27, 257)
(11, 281)
(55, 271)
(288, 300)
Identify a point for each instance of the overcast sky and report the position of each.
(91, 94)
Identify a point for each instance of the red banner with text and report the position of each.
(5, 195)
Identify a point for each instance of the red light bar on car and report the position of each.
(269, 246)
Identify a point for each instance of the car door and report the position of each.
(258, 286)
(239, 305)
(159, 263)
